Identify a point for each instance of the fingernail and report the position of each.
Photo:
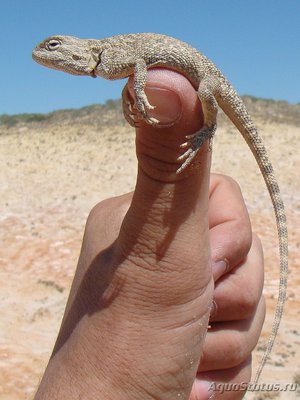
(213, 309)
(168, 107)
(204, 389)
(209, 387)
(219, 268)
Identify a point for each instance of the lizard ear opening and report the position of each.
(96, 53)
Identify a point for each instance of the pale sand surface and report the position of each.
(50, 178)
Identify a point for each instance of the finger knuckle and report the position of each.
(247, 301)
(244, 237)
(238, 351)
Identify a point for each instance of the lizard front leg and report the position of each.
(206, 93)
(139, 83)
(115, 63)
(135, 111)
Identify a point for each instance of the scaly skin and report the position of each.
(123, 55)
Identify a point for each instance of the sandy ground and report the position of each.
(51, 177)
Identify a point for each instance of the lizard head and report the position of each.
(68, 54)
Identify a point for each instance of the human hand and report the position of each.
(138, 311)
(239, 308)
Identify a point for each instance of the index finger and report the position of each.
(229, 224)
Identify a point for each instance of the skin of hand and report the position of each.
(155, 264)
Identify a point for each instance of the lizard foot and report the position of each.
(150, 120)
(136, 111)
(143, 106)
(194, 143)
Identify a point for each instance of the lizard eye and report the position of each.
(53, 44)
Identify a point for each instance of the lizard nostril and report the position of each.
(75, 57)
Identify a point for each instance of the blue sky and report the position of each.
(256, 43)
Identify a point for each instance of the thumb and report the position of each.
(165, 231)
(173, 206)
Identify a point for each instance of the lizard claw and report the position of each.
(151, 120)
(188, 156)
(142, 114)
(143, 103)
(185, 155)
(194, 143)
(183, 145)
(143, 106)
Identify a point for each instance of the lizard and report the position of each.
(120, 56)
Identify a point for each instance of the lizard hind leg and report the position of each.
(207, 87)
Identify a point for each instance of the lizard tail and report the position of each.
(236, 110)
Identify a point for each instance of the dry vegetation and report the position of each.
(54, 168)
